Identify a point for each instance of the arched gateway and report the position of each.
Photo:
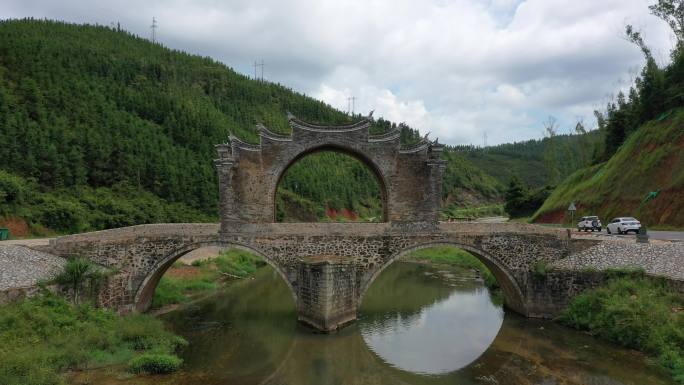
(328, 266)
(410, 179)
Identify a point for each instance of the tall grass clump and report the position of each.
(80, 274)
(43, 337)
(636, 312)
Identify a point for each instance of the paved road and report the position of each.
(653, 234)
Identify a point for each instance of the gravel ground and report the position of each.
(664, 259)
(24, 267)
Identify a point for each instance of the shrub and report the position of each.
(540, 269)
(636, 312)
(79, 272)
(44, 336)
(154, 363)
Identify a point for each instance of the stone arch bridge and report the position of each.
(328, 266)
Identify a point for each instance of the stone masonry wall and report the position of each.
(410, 179)
(329, 266)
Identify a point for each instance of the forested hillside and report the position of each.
(537, 162)
(101, 129)
(644, 179)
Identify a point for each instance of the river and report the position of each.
(419, 324)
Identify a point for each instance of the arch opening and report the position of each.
(330, 183)
(415, 314)
(512, 294)
(222, 258)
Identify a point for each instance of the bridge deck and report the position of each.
(307, 229)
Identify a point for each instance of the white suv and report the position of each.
(589, 223)
(623, 225)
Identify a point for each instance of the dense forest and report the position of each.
(537, 162)
(101, 128)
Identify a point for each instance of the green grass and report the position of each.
(452, 256)
(42, 337)
(210, 272)
(636, 312)
(173, 290)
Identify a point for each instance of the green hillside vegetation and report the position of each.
(536, 162)
(102, 129)
(84, 109)
(640, 166)
(325, 183)
(652, 159)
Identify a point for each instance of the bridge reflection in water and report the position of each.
(248, 335)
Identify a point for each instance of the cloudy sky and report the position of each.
(455, 68)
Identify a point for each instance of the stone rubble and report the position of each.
(662, 259)
(21, 267)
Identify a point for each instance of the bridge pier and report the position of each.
(327, 292)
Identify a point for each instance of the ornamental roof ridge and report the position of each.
(265, 132)
(239, 143)
(359, 125)
(385, 136)
(422, 145)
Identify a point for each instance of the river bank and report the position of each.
(631, 311)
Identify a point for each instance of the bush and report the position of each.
(636, 312)
(540, 269)
(13, 189)
(153, 363)
(44, 336)
(79, 272)
(62, 215)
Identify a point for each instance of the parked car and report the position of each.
(623, 225)
(589, 223)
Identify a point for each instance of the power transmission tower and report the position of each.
(353, 99)
(257, 64)
(154, 29)
(484, 140)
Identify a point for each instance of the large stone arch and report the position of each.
(342, 149)
(142, 298)
(410, 178)
(513, 295)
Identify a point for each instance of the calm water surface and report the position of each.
(419, 324)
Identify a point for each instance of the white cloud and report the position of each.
(456, 68)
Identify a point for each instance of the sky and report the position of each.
(460, 70)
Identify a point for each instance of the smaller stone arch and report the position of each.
(513, 295)
(341, 149)
(145, 291)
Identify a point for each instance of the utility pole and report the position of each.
(154, 29)
(257, 64)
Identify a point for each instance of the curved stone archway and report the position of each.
(142, 299)
(366, 161)
(410, 178)
(513, 295)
